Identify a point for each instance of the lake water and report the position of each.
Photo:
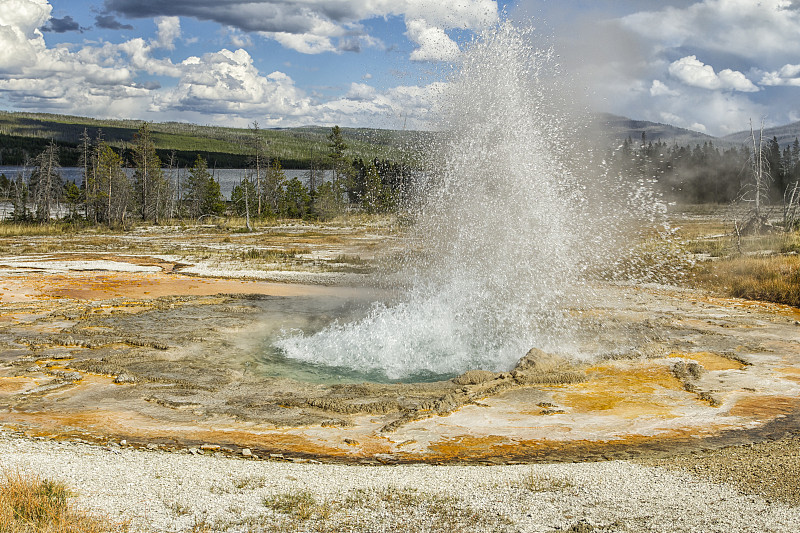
(228, 178)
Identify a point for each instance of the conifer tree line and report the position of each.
(154, 191)
(708, 174)
(337, 186)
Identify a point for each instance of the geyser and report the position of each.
(503, 229)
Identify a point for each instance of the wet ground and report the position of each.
(154, 348)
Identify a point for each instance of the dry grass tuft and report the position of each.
(301, 505)
(754, 266)
(14, 229)
(399, 509)
(270, 255)
(773, 278)
(30, 504)
(537, 482)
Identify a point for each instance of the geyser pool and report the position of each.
(504, 229)
(284, 317)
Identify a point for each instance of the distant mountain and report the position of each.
(23, 135)
(619, 128)
(785, 134)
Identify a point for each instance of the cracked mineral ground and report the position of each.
(164, 341)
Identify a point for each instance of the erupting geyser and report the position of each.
(504, 231)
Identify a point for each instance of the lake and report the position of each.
(228, 178)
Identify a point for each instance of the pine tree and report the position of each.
(73, 198)
(243, 197)
(5, 186)
(774, 164)
(325, 203)
(296, 202)
(115, 191)
(796, 151)
(203, 195)
(45, 183)
(19, 199)
(274, 182)
(92, 192)
(339, 166)
(151, 188)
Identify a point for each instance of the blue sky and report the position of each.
(709, 65)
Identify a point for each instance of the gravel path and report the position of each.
(769, 469)
(160, 491)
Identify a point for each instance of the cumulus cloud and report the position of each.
(304, 43)
(433, 42)
(715, 113)
(394, 108)
(349, 45)
(694, 72)
(228, 82)
(312, 26)
(788, 75)
(305, 17)
(108, 79)
(169, 29)
(744, 48)
(660, 89)
(97, 79)
(741, 27)
(237, 38)
(139, 56)
(20, 38)
(25, 16)
(361, 92)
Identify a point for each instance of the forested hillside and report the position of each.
(782, 134)
(24, 135)
(705, 173)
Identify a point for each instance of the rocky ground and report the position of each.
(156, 491)
(769, 469)
(131, 368)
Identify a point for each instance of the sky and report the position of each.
(711, 66)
